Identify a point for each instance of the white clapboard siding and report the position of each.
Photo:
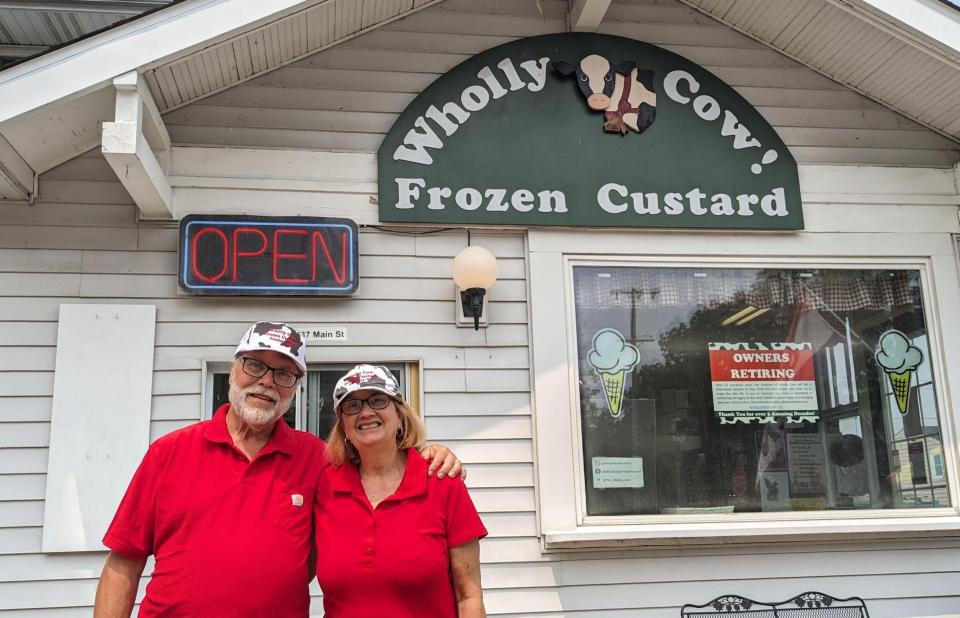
(22, 486)
(21, 513)
(27, 359)
(15, 460)
(25, 409)
(347, 97)
(92, 249)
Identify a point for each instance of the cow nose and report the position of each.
(598, 101)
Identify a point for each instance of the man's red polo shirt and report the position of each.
(231, 537)
(392, 561)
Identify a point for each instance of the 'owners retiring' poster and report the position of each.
(754, 381)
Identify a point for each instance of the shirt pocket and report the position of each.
(292, 509)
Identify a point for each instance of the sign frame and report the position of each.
(322, 256)
(507, 138)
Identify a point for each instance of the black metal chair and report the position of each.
(820, 605)
(806, 605)
(731, 606)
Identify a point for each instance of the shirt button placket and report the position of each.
(371, 539)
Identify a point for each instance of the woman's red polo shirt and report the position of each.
(393, 560)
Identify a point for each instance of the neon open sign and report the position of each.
(250, 255)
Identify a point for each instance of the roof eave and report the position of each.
(92, 62)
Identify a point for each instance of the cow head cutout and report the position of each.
(623, 92)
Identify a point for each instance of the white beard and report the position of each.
(256, 416)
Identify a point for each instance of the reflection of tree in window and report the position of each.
(691, 461)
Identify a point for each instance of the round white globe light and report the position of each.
(474, 267)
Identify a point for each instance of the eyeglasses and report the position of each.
(351, 407)
(255, 369)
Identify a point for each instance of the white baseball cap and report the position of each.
(366, 377)
(278, 337)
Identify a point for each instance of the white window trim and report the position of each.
(562, 519)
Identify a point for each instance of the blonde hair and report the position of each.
(412, 434)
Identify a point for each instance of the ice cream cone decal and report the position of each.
(900, 383)
(613, 389)
(612, 358)
(899, 359)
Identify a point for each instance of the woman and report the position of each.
(390, 540)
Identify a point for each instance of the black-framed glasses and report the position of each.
(351, 407)
(255, 369)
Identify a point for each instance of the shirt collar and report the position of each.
(281, 440)
(346, 478)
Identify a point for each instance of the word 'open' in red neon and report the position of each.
(229, 254)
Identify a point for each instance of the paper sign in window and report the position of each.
(758, 381)
(617, 472)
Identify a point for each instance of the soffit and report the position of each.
(848, 42)
(174, 79)
(230, 62)
(31, 27)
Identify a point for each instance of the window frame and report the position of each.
(563, 521)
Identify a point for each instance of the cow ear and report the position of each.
(646, 78)
(564, 68)
(625, 67)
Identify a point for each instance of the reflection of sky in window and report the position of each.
(840, 367)
(893, 413)
(830, 374)
(928, 405)
(923, 371)
(851, 425)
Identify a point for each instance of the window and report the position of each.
(312, 407)
(716, 390)
(720, 399)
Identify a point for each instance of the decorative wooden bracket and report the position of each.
(18, 181)
(586, 15)
(137, 147)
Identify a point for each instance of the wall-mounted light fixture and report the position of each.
(474, 271)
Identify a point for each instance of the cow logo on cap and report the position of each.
(366, 376)
(280, 333)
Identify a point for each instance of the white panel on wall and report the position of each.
(100, 425)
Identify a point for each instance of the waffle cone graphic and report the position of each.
(900, 383)
(613, 389)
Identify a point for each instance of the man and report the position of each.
(225, 505)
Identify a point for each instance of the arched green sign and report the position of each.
(586, 130)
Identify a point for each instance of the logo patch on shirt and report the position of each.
(296, 500)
